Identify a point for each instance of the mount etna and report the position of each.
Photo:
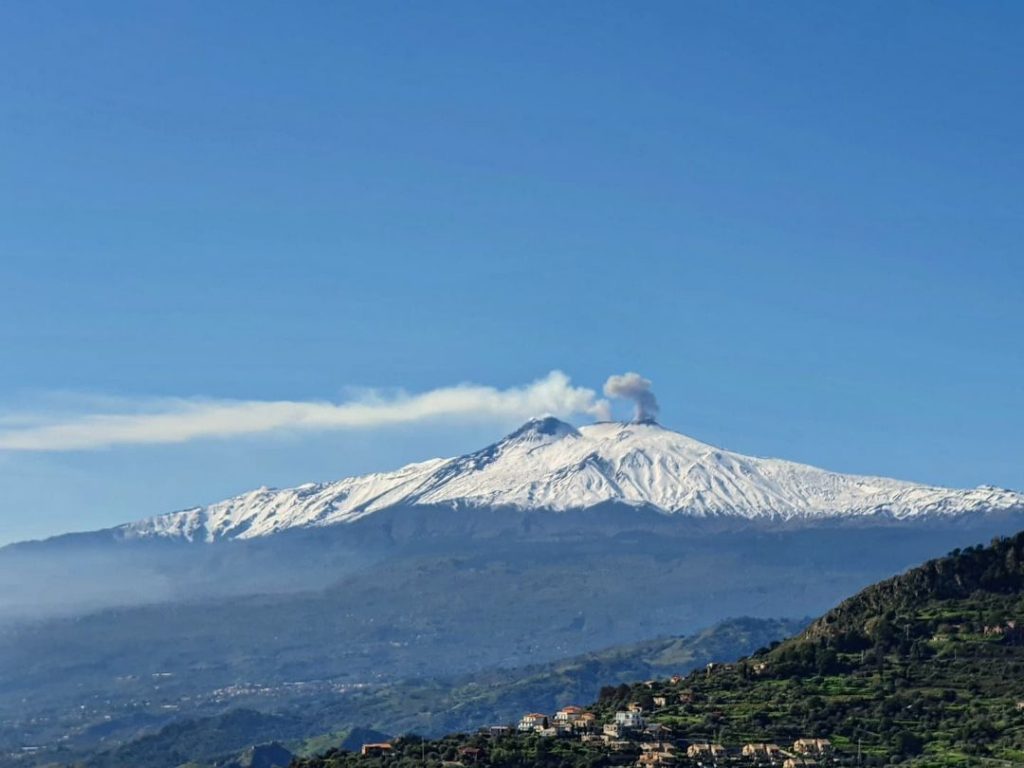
(553, 542)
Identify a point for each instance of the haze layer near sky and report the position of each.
(802, 221)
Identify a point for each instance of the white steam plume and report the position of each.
(633, 386)
(181, 420)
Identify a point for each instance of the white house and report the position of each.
(534, 721)
(568, 714)
(629, 719)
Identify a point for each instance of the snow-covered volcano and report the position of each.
(549, 465)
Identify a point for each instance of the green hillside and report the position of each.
(926, 668)
(426, 706)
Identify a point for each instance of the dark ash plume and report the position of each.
(633, 386)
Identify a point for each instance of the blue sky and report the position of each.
(802, 221)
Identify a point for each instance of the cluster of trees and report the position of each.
(869, 616)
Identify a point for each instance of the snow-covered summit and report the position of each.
(549, 465)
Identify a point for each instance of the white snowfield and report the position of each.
(550, 465)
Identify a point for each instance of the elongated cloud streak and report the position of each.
(178, 421)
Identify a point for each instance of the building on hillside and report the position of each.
(760, 667)
(375, 749)
(498, 731)
(652, 759)
(534, 721)
(761, 751)
(613, 730)
(1014, 632)
(630, 719)
(635, 706)
(704, 751)
(676, 679)
(799, 762)
(660, 701)
(813, 747)
(568, 714)
(585, 722)
(657, 746)
(472, 754)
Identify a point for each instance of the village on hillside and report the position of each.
(634, 736)
(630, 731)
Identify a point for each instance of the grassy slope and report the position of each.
(903, 671)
